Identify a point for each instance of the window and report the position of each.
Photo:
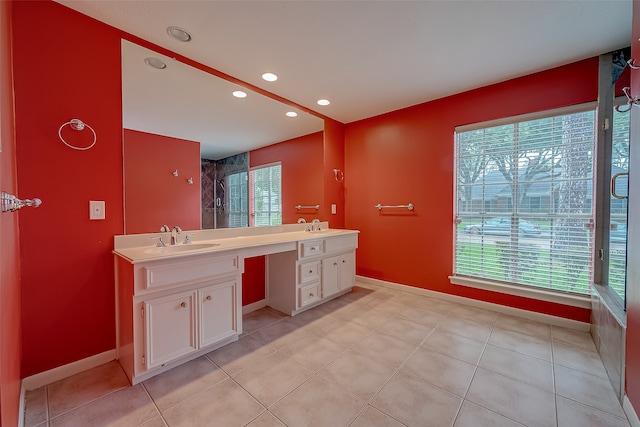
(533, 180)
(265, 188)
(238, 200)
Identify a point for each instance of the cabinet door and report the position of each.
(347, 270)
(330, 283)
(170, 330)
(218, 312)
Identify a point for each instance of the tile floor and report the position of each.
(373, 357)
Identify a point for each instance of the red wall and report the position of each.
(154, 196)
(66, 66)
(334, 185)
(632, 372)
(302, 162)
(10, 306)
(407, 157)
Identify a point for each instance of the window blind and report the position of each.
(266, 185)
(524, 204)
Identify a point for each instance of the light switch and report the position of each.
(96, 209)
(333, 209)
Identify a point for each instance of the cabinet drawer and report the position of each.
(309, 248)
(308, 272)
(308, 294)
(179, 272)
(340, 243)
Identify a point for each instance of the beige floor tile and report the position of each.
(581, 339)
(129, 406)
(414, 402)
(280, 334)
(463, 348)
(577, 358)
(571, 413)
(385, 349)
(472, 415)
(537, 372)
(434, 305)
(36, 408)
(524, 326)
(386, 305)
(240, 354)
(368, 317)
(259, 319)
(406, 330)
(371, 417)
(358, 374)
(314, 352)
(267, 419)
(513, 399)
(343, 331)
(312, 318)
(84, 387)
(466, 328)
(307, 405)
(588, 389)
(422, 316)
(476, 314)
(525, 344)
(155, 422)
(271, 378)
(443, 371)
(182, 382)
(224, 405)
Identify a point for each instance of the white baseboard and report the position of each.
(631, 413)
(47, 377)
(254, 306)
(22, 404)
(531, 315)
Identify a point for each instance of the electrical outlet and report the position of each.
(334, 209)
(96, 209)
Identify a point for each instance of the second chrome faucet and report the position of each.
(174, 233)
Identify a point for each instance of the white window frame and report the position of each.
(252, 196)
(570, 299)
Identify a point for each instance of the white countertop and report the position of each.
(141, 248)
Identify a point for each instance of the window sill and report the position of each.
(573, 300)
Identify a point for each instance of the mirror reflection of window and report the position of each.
(238, 200)
(265, 184)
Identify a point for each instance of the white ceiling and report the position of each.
(371, 57)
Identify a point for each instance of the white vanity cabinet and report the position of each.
(169, 328)
(325, 269)
(171, 311)
(338, 273)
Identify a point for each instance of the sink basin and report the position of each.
(180, 248)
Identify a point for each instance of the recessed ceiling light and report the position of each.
(179, 34)
(323, 102)
(291, 114)
(156, 63)
(239, 94)
(270, 77)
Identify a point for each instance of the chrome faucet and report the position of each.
(165, 229)
(174, 235)
(315, 224)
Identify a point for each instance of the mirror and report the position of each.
(177, 106)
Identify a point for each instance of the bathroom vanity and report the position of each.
(175, 303)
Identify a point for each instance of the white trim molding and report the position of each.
(531, 315)
(573, 300)
(47, 377)
(246, 309)
(631, 412)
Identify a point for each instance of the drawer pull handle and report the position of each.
(313, 248)
(310, 271)
(344, 261)
(311, 295)
(183, 304)
(335, 263)
(208, 298)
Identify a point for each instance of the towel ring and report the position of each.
(77, 124)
